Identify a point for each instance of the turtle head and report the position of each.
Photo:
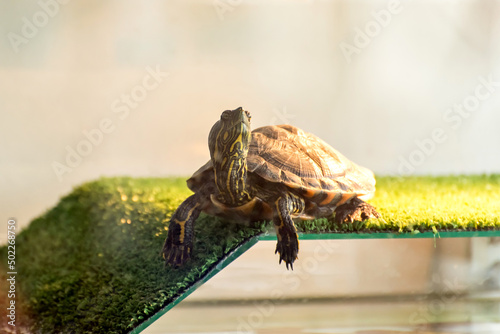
(228, 142)
(230, 136)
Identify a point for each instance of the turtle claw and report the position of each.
(176, 255)
(355, 210)
(288, 251)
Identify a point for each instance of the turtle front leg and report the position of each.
(355, 210)
(288, 241)
(179, 242)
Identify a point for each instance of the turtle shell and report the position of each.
(304, 163)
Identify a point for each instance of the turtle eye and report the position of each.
(226, 115)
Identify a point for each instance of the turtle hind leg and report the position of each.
(355, 210)
(179, 242)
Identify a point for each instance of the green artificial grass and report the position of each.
(92, 263)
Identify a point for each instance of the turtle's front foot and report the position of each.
(175, 255)
(355, 210)
(288, 248)
(179, 243)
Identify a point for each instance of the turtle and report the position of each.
(277, 173)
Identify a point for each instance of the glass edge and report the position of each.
(237, 252)
(389, 235)
(224, 262)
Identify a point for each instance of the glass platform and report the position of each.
(419, 313)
